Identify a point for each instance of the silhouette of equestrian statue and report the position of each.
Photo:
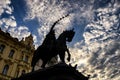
(52, 47)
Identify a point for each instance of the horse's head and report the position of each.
(69, 35)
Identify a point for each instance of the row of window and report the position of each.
(6, 68)
(11, 53)
(2, 47)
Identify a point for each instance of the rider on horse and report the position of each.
(48, 48)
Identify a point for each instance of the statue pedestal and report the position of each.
(60, 71)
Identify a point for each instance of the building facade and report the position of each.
(15, 56)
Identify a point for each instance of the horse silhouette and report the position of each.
(51, 46)
(61, 46)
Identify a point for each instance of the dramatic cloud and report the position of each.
(94, 54)
(100, 54)
(9, 24)
(6, 22)
(96, 44)
(47, 12)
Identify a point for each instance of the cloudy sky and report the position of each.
(96, 44)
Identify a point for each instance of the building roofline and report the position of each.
(6, 34)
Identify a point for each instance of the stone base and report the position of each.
(60, 71)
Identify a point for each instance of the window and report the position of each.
(5, 69)
(26, 59)
(2, 48)
(23, 72)
(11, 53)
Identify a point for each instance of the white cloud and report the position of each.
(50, 11)
(6, 23)
(44, 11)
(102, 46)
(9, 22)
(95, 57)
(100, 60)
(103, 27)
(4, 6)
(100, 54)
(22, 28)
(1, 10)
(19, 32)
(47, 12)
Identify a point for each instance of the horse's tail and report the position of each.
(57, 22)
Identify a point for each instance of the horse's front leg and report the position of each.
(62, 56)
(69, 56)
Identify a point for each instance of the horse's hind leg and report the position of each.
(44, 63)
(62, 56)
